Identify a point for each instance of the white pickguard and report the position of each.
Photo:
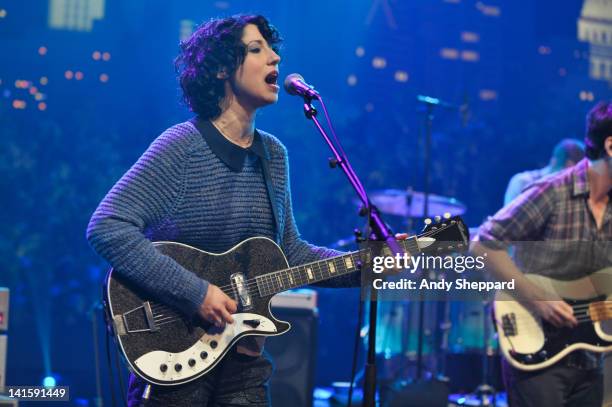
(150, 363)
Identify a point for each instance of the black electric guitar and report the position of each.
(164, 348)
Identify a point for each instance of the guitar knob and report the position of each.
(178, 367)
(203, 355)
(191, 362)
(529, 358)
(163, 367)
(543, 354)
(213, 344)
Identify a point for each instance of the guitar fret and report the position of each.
(321, 270)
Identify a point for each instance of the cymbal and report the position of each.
(410, 203)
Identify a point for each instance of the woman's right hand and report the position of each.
(217, 307)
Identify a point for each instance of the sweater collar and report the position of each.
(231, 154)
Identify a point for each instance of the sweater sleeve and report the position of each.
(299, 251)
(141, 200)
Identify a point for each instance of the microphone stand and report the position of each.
(380, 231)
(430, 103)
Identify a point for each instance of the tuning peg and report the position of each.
(447, 215)
(438, 218)
(427, 221)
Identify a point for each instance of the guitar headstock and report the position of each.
(444, 234)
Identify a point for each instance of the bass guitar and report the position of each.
(530, 343)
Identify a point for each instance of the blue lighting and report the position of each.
(461, 400)
(49, 381)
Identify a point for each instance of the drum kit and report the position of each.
(449, 327)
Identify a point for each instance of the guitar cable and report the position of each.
(122, 387)
(355, 351)
(110, 373)
(111, 382)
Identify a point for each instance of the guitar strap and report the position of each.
(265, 165)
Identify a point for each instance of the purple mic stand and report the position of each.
(379, 229)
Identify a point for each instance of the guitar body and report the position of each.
(529, 343)
(165, 349)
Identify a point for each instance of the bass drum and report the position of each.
(471, 328)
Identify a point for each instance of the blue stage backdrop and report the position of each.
(85, 86)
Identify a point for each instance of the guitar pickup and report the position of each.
(509, 324)
(253, 323)
(241, 291)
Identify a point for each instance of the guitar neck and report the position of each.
(600, 311)
(322, 270)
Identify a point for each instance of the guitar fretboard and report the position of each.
(282, 280)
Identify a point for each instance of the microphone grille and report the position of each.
(289, 80)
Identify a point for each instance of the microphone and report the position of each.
(295, 85)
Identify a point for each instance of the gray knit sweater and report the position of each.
(179, 190)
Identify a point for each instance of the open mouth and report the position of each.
(272, 78)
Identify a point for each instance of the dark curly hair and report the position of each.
(215, 46)
(598, 129)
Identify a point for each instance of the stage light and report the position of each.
(96, 55)
(360, 51)
(103, 78)
(78, 75)
(33, 90)
(401, 76)
(42, 50)
(19, 104)
(470, 56)
(106, 56)
(491, 11)
(351, 80)
(544, 50)
(39, 96)
(586, 96)
(2, 13)
(42, 106)
(44, 80)
(469, 36)
(379, 62)
(487, 94)
(22, 84)
(449, 53)
(49, 381)
(68, 74)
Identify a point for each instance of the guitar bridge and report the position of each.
(241, 291)
(139, 319)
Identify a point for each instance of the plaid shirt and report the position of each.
(554, 233)
(552, 228)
